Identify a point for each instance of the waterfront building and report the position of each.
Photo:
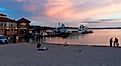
(23, 26)
(40, 30)
(10, 27)
(7, 26)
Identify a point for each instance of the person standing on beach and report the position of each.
(116, 44)
(111, 41)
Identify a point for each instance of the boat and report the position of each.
(62, 31)
(84, 30)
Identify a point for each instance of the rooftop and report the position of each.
(2, 14)
(6, 20)
(24, 20)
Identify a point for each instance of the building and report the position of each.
(10, 27)
(7, 26)
(23, 26)
(40, 30)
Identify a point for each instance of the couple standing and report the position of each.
(114, 43)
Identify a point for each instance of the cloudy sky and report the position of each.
(70, 12)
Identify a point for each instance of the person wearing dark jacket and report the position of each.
(116, 44)
(38, 45)
(111, 41)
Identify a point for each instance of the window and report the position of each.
(1, 29)
(22, 31)
(11, 24)
(14, 24)
(4, 24)
(7, 24)
(1, 23)
(24, 24)
(12, 30)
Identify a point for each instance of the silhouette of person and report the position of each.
(111, 40)
(116, 44)
(38, 45)
(65, 44)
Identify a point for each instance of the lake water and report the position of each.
(99, 37)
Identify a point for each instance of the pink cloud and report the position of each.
(79, 9)
(31, 8)
(70, 9)
(56, 8)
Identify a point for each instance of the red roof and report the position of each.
(24, 20)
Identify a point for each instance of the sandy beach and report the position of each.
(58, 55)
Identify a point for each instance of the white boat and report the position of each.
(83, 29)
(61, 30)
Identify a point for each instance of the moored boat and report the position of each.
(61, 30)
(84, 30)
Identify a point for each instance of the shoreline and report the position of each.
(80, 45)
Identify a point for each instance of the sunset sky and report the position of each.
(70, 12)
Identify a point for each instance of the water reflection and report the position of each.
(99, 37)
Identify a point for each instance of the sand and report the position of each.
(58, 55)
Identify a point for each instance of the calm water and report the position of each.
(99, 37)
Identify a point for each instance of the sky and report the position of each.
(70, 12)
